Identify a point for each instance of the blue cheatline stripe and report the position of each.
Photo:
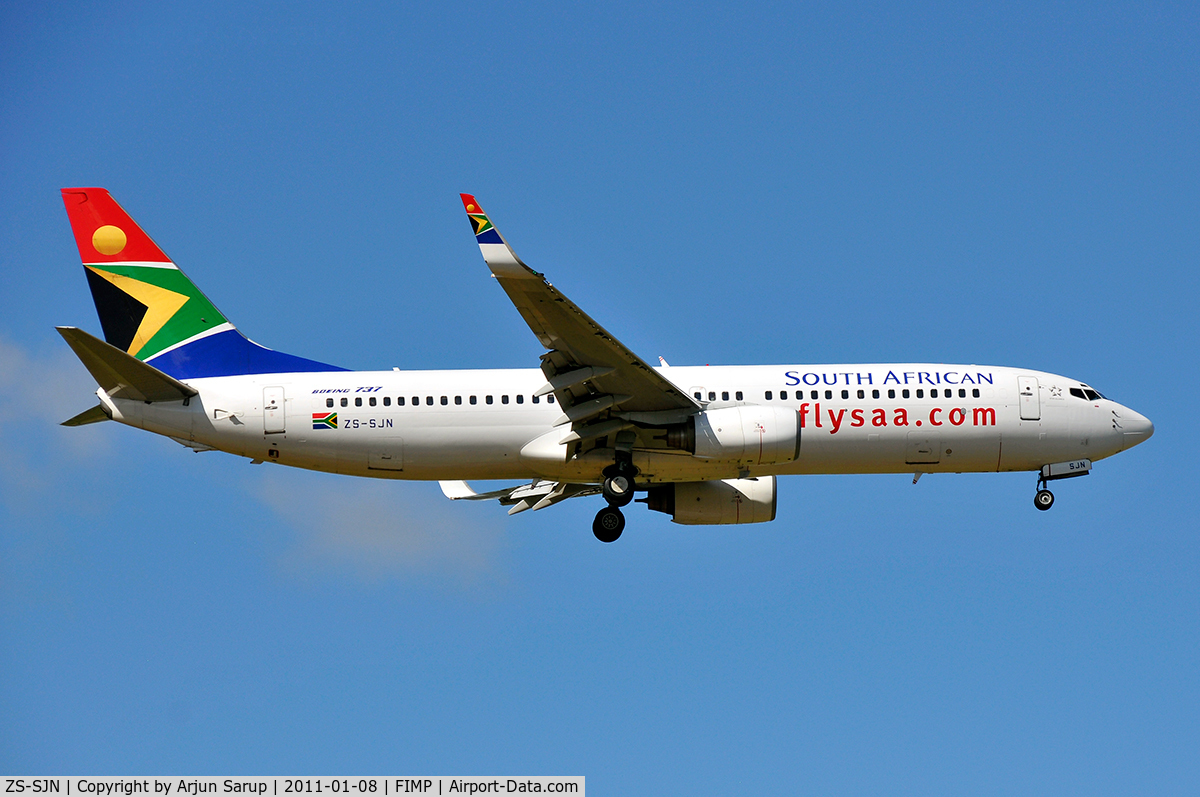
(230, 354)
(489, 237)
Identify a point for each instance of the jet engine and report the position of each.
(747, 435)
(716, 502)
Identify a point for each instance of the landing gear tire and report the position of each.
(618, 490)
(1043, 500)
(609, 524)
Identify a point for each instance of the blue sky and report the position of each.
(779, 183)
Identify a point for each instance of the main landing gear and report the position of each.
(618, 492)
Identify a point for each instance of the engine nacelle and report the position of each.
(717, 502)
(749, 435)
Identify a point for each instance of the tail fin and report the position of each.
(149, 309)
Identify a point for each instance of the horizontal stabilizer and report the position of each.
(120, 374)
(94, 415)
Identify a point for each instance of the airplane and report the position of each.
(704, 445)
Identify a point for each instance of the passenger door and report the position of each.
(1031, 405)
(274, 411)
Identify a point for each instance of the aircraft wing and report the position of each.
(591, 373)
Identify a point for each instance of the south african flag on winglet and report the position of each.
(480, 222)
(324, 420)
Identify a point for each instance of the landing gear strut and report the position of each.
(1043, 499)
(618, 492)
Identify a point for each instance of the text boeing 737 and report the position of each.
(704, 444)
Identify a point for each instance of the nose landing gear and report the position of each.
(618, 492)
(1044, 499)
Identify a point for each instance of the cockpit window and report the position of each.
(1077, 393)
(1092, 394)
(1086, 393)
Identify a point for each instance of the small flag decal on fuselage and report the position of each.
(324, 420)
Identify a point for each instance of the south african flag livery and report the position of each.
(324, 420)
(150, 310)
(481, 225)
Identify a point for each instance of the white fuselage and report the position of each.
(486, 424)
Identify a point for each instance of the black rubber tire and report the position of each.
(618, 490)
(609, 524)
(1043, 500)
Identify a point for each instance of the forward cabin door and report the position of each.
(273, 411)
(1031, 406)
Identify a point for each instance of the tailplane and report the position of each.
(148, 307)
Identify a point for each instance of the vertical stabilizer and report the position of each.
(149, 309)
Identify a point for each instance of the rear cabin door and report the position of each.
(1031, 406)
(273, 411)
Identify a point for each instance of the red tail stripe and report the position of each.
(89, 209)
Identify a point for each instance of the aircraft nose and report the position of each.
(1137, 428)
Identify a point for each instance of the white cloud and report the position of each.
(382, 530)
(38, 391)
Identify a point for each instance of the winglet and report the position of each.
(499, 256)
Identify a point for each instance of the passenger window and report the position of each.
(345, 402)
(504, 399)
(828, 394)
(975, 392)
(845, 394)
(892, 393)
(712, 395)
(329, 401)
(904, 393)
(400, 401)
(783, 395)
(874, 394)
(814, 395)
(387, 401)
(920, 393)
(416, 401)
(445, 401)
(371, 401)
(698, 396)
(358, 401)
(933, 393)
(429, 401)
(520, 399)
(472, 400)
(457, 400)
(738, 395)
(862, 394)
(550, 399)
(535, 399)
(488, 399)
(725, 395)
(767, 395)
(962, 392)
